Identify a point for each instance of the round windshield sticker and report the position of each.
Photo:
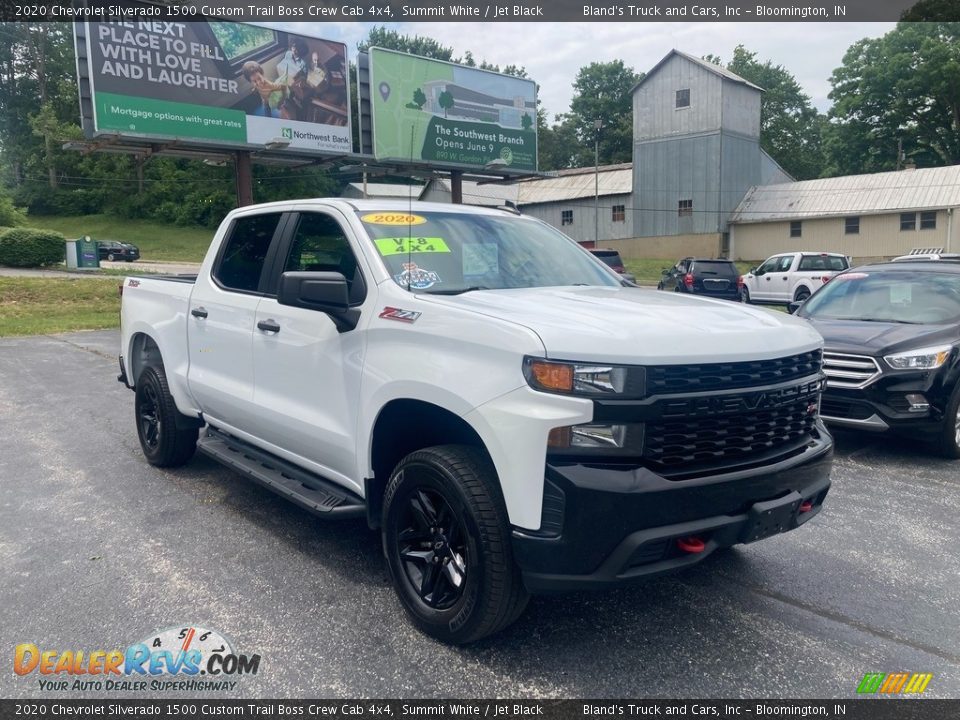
(392, 218)
(416, 278)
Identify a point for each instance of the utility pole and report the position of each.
(597, 125)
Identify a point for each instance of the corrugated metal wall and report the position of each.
(582, 227)
(880, 236)
(655, 114)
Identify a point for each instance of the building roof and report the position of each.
(387, 190)
(577, 183)
(929, 188)
(705, 64)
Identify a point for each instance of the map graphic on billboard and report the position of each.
(458, 115)
(214, 82)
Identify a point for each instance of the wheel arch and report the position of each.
(144, 352)
(403, 426)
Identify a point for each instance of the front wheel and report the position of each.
(744, 295)
(111, 257)
(163, 443)
(447, 542)
(948, 444)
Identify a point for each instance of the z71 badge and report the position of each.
(392, 313)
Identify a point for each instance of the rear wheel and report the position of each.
(801, 294)
(163, 443)
(948, 444)
(447, 542)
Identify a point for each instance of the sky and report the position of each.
(553, 52)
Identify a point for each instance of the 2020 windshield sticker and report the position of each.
(416, 278)
(392, 218)
(410, 245)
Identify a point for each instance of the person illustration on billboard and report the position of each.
(294, 61)
(271, 94)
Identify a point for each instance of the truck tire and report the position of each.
(447, 543)
(801, 294)
(948, 443)
(163, 443)
(745, 295)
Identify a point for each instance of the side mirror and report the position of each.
(326, 292)
(665, 271)
(794, 306)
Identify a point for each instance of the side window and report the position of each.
(244, 252)
(768, 266)
(320, 245)
(785, 262)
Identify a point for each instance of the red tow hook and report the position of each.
(692, 544)
(806, 506)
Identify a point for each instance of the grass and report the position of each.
(157, 241)
(648, 270)
(39, 306)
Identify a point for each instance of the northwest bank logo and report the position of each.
(171, 659)
(287, 133)
(894, 683)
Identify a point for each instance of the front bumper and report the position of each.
(608, 525)
(883, 405)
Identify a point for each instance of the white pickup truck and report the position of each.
(790, 277)
(510, 414)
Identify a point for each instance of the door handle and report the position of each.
(199, 312)
(269, 326)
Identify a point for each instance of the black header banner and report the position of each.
(385, 11)
(857, 709)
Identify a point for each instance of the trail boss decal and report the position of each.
(392, 313)
(416, 278)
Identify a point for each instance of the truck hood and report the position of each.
(636, 325)
(878, 338)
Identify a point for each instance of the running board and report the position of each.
(311, 492)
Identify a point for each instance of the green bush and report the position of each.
(10, 215)
(26, 247)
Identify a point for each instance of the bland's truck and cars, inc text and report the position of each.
(510, 414)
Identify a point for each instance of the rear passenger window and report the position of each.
(244, 252)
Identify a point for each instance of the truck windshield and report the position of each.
(453, 252)
(923, 298)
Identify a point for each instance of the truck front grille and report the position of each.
(850, 372)
(695, 445)
(666, 379)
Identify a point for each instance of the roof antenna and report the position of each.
(410, 219)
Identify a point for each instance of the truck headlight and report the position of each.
(584, 379)
(923, 359)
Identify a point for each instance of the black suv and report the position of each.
(892, 349)
(112, 250)
(710, 278)
(612, 259)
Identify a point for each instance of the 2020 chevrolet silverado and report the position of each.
(507, 412)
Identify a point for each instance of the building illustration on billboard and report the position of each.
(215, 82)
(430, 110)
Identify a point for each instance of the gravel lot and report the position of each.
(98, 550)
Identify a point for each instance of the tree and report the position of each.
(525, 122)
(557, 145)
(603, 91)
(789, 124)
(899, 88)
(412, 44)
(445, 100)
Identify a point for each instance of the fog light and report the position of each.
(918, 403)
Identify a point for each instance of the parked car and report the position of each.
(696, 276)
(112, 250)
(612, 259)
(790, 277)
(508, 414)
(892, 350)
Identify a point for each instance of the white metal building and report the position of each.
(864, 216)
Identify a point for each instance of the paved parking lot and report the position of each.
(98, 549)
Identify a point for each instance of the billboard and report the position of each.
(214, 82)
(433, 111)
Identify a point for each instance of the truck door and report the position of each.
(306, 372)
(770, 276)
(220, 325)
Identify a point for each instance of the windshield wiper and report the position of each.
(459, 291)
(879, 320)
